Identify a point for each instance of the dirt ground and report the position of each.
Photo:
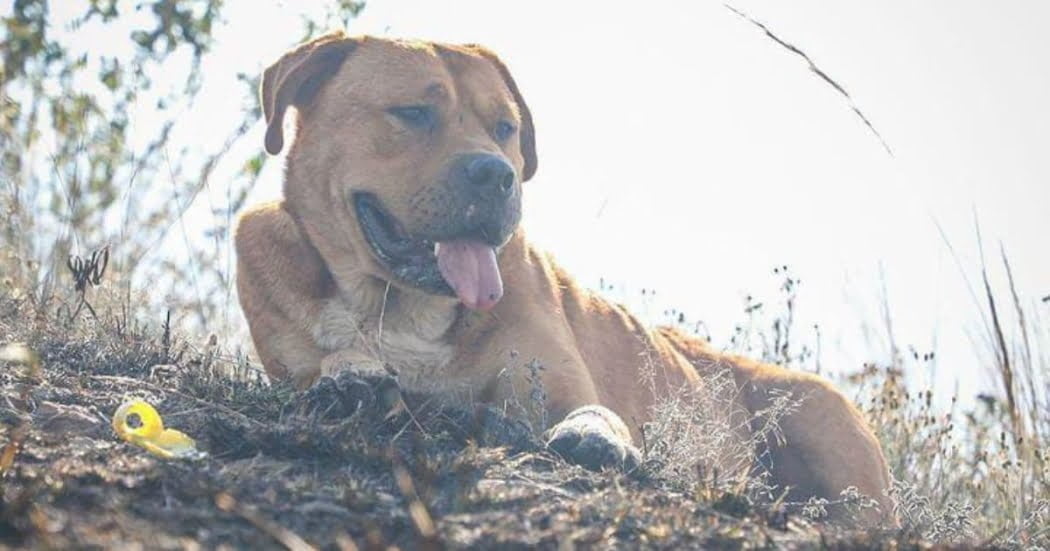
(350, 464)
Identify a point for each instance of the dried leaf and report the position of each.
(10, 450)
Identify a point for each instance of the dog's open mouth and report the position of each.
(464, 267)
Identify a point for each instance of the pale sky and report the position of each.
(681, 150)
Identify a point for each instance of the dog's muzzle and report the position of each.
(455, 255)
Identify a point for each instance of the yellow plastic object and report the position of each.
(151, 434)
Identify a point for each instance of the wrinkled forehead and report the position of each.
(410, 72)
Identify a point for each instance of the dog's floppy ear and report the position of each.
(295, 79)
(528, 131)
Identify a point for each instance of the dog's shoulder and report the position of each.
(268, 231)
(275, 259)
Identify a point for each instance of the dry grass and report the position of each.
(697, 438)
(966, 469)
(964, 474)
(330, 465)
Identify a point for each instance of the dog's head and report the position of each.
(413, 154)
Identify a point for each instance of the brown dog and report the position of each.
(397, 244)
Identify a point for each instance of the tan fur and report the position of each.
(317, 300)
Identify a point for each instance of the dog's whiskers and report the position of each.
(382, 313)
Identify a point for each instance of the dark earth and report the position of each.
(349, 464)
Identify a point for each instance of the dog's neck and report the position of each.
(371, 297)
(406, 329)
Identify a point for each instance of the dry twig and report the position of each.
(817, 70)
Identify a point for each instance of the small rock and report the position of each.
(64, 420)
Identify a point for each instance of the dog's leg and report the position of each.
(559, 397)
(281, 283)
(583, 432)
(827, 446)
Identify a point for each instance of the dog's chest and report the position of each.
(406, 335)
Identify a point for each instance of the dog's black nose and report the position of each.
(490, 176)
(482, 200)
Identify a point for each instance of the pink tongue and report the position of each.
(470, 268)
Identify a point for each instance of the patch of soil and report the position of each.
(351, 463)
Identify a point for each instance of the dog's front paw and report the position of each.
(362, 365)
(595, 438)
(346, 393)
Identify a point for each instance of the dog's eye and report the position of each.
(503, 131)
(414, 116)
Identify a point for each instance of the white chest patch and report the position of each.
(407, 332)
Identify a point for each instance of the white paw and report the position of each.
(595, 438)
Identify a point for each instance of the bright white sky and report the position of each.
(682, 150)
